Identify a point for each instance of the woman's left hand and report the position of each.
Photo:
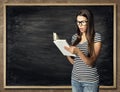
(72, 49)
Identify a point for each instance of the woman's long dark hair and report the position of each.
(90, 30)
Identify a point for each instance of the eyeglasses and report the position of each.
(82, 23)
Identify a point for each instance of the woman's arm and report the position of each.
(88, 60)
(70, 59)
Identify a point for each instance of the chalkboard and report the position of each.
(32, 59)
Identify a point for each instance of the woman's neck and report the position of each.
(83, 38)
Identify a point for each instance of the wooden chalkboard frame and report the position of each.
(63, 4)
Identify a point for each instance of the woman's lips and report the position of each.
(81, 29)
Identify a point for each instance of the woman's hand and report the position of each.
(72, 49)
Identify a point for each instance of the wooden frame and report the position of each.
(7, 47)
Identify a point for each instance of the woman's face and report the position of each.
(82, 23)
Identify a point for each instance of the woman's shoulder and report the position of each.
(97, 34)
(74, 36)
(97, 37)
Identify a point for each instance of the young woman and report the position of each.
(86, 44)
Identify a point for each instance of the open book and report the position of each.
(61, 43)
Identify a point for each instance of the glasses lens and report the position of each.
(82, 23)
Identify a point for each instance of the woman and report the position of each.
(86, 44)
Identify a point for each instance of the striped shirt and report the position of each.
(81, 71)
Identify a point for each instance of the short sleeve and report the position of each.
(97, 37)
(74, 37)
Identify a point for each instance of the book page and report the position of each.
(61, 44)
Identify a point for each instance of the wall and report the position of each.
(56, 1)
